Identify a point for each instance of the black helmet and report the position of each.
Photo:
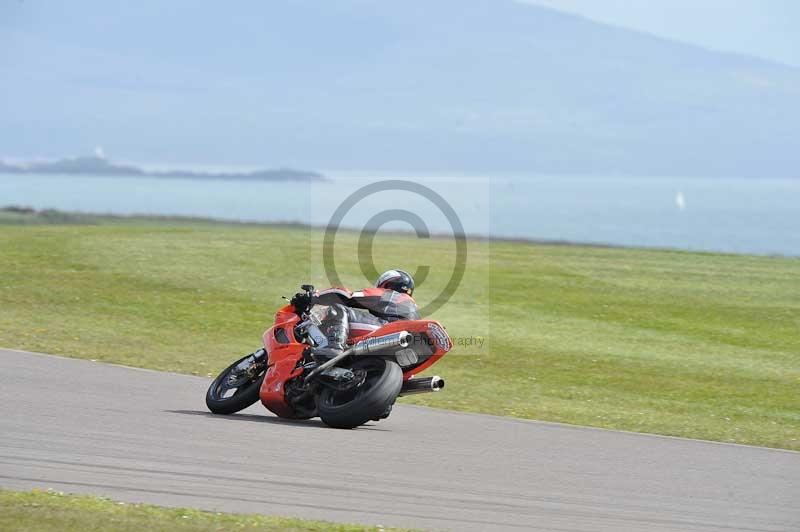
(396, 280)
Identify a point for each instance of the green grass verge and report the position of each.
(689, 344)
(45, 511)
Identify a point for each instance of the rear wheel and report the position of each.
(347, 409)
(238, 385)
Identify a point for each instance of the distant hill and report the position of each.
(443, 85)
(101, 166)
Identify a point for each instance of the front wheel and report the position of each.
(238, 385)
(372, 399)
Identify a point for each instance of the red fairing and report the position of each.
(283, 361)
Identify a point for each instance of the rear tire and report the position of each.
(244, 394)
(347, 410)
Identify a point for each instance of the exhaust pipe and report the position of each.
(379, 343)
(364, 347)
(422, 385)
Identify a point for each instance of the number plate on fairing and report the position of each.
(440, 337)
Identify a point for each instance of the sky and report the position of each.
(764, 28)
(418, 85)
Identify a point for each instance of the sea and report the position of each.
(735, 215)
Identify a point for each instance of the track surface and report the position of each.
(144, 436)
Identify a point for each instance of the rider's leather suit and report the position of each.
(352, 314)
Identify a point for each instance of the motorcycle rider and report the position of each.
(343, 312)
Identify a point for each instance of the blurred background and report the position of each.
(665, 124)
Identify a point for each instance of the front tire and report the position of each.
(351, 408)
(236, 388)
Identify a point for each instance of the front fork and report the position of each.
(249, 365)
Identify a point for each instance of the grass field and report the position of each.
(46, 511)
(689, 344)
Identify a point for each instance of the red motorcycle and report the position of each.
(358, 385)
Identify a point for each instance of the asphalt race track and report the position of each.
(145, 436)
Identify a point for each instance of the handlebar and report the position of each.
(302, 300)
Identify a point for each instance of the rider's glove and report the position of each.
(301, 301)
